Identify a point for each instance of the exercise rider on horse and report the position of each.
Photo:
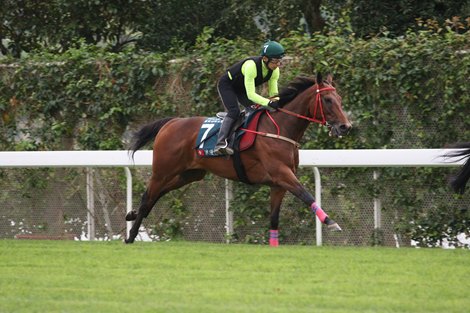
(238, 85)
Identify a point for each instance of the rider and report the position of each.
(238, 84)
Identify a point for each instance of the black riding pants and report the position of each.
(231, 98)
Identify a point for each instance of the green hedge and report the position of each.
(408, 92)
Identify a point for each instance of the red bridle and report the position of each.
(318, 107)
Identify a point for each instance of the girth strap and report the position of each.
(238, 165)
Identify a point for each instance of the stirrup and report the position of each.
(228, 151)
(223, 150)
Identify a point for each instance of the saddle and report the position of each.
(239, 139)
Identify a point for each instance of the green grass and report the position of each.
(66, 276)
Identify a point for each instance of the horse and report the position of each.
(272, 160)
(459, 180)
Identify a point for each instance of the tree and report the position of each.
(370, 17)
(177, 23)
(152, 25)
(24, 24)
(160, 25)
(59, 25)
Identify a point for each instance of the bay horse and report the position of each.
(459, 180)
(270, 161)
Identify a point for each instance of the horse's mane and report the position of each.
(294, 88)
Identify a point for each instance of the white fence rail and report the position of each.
(318, 158)
(313, 158)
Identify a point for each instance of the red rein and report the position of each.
(318, 106)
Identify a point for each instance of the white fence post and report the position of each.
(318, 226)
(128, 198)
(228, 213)
(90, 203)
(377, 207)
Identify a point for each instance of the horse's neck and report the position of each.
(294, 127)
(299, 104)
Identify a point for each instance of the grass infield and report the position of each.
(67, 276)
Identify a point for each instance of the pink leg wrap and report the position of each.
(319, 212)
(273, 238)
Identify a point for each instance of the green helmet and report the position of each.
(273, 49)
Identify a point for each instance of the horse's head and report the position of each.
(327, 108)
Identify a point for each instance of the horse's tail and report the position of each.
(147, 133)
(459, 181)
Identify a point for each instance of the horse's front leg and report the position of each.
(277, 194)
(289, 181)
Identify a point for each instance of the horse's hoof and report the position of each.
(131, 215)
(127, 241)
(334, 227)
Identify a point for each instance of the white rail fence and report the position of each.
(310, 158)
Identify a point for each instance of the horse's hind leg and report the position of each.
(144, 209)
(277, 194)
(145, 206)
(155, 191)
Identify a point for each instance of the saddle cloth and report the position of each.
(207, 136)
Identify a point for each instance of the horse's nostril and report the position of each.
(344, 128)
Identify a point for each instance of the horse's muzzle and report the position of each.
(340, 130)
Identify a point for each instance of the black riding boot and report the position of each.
(222, 144)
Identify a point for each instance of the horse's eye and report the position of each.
(328, 101)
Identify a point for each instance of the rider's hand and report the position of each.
(274, 104)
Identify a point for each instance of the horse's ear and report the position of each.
(329, 79)
(319, 79)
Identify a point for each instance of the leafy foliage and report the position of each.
(405, 92)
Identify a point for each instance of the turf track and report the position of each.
(67, 276)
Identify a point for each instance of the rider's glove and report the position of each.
(274, 104)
